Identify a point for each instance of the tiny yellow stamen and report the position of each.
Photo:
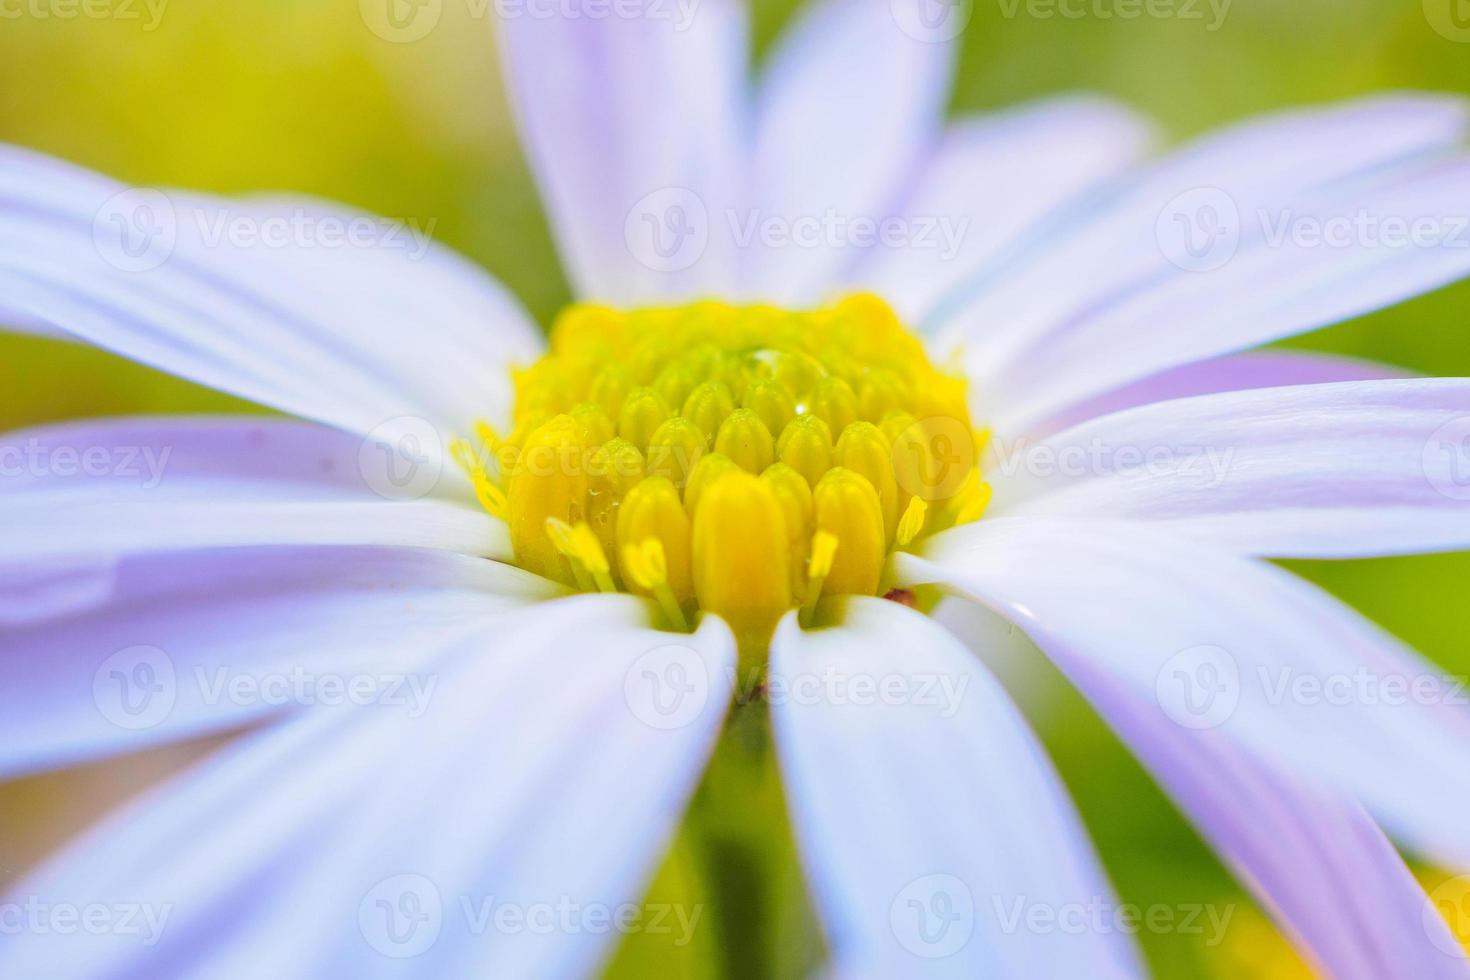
(824, 550)
(652, 510)
(911, 525)
(648, 568)
(580, 545)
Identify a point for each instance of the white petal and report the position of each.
(529, 783)
(168, 483)
(341, 318)
(988, 181)
(930, 821)
(178, 646)
(1318, 471)
(1237, 646)
(851, 99)
(1289, 841)
(1264, 291)
(636, 130)
(1109, 249)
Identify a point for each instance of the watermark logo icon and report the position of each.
(667, 687)
(932, 21)
(1199, 687)
(1449, 904)
(402, 459)
(668, 230)
(1449, 18)
(136, 230)
(136, 687)
(401, 916)
(1199, 230)
(933, 916)
(1447, 459)
(933, 457)
(401, 21)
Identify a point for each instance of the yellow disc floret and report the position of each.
(741, 460)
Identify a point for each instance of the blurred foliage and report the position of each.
(297, 94)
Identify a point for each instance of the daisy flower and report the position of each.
(477, 614)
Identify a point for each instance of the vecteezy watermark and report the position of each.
(943, 693)
(934, 916)
(407, 21)
(401, 917)
(1204, 228)
(1287, 685)
(402, 458)
(667, 687)
(667, 230)
(1447, 459)
(1102, 917)
(1203, 686)
(1210, 13)
(1448, 905)
(305, 688)
(33, 458)
(138, 229)
(138, 688)
(670, 229)
(1449, 18)
(404, 915)
(932, 21)
(35, 915)
(1199, 687)
(1206, 467)
(933, 457)
(146, 13)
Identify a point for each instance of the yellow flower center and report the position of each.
(741, 460)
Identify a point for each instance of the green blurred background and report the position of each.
(298, 94)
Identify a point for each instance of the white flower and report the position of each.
(427, 726)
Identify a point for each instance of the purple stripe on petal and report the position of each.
(1233, 372)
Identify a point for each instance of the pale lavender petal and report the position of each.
(1356, 468)
(1237, 646)
(338, 317)
(851, 100)
(636, 128)
(1233, 372)
(1276, 282)
(989, 179)
(930, 821)
(169, 483)
(1084, 257)
(1291, 842)
(179, 646)
(384, 843)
